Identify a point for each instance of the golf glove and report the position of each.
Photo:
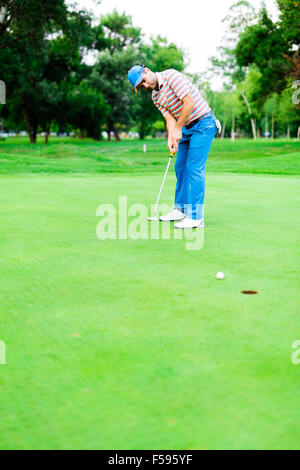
(219, 127)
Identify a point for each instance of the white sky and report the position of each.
(193, 25)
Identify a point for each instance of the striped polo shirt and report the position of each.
(173, 86)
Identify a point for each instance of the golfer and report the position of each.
(191, 127)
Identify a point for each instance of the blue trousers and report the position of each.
(190, 166)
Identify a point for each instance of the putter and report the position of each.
(157, 202)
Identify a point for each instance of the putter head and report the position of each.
(153, 218)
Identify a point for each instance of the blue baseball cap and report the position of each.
(135, 75)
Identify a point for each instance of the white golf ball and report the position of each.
(220, 275)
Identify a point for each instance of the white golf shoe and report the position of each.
(190, 223)
(173, 216)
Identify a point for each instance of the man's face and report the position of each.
(148, 80)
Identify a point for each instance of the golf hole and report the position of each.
(249, 292)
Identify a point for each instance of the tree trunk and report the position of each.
(33, 135)
(112, 128)
(288, 132)
(116, 133)
(108, 131)
(142, 131)
(258, 132)
(30, 130)
(273, 125)
(238, 132)
(47, 132)
(250, 113)
(298, 133)
(233, 128)
(266, 126)
(223, 130)
(253, 128)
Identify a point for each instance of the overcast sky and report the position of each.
(193, 25)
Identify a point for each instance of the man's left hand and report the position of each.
(174, 138)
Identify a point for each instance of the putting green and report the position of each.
(134, 344)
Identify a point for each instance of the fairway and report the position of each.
(134, 344)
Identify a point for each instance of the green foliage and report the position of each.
(271, 104)
(109, 77)
(38, 74)
(263, 44)
(43, 46)
(29, 18)
(227, 106)
(116, 32)
(288, 114)
(46, 78)
(257, 60)
(87, 110)
(290, 20)
(117, 41)
(241, 14)
(160, 55)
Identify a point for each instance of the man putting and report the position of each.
(191, 127)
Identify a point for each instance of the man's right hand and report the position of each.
(174, 137)
(174, 134)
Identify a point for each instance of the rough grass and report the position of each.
(75, 156)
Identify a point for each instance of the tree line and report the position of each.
(259, 61)
(50, 84)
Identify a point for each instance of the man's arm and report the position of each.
(187, 108)
(174, 127)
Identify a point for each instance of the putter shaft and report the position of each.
(162, 185)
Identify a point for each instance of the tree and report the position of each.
(87, 110)
(273, 47)
(38, 66)
(116, 32)
(290, 24)
(22, 29)
(290, 20)
(160, 55)
(241, 14)
(27, 19)
(263, 44)
(288, 115)
(109, 77)
(250, 92)
(117, 41)
(271, 109)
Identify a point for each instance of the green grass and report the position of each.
(75, 156)
(134, 344)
